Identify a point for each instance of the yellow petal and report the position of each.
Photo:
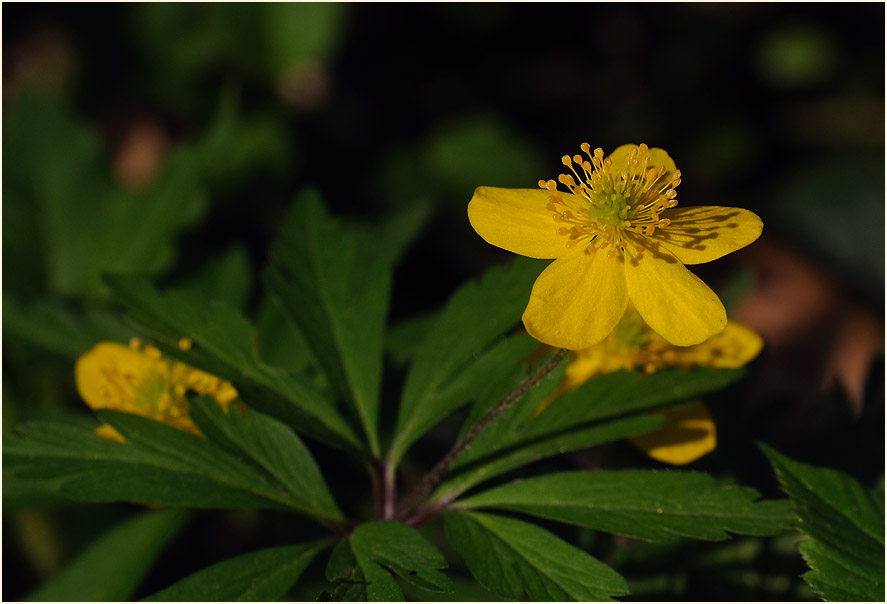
(688, 434)
(92, 369)
(706, 233)
(517, 220)
(674, 302)
(730, 349)
(660, 157)
(109, 432)
(577, 301)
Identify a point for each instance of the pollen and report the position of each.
(613, 202)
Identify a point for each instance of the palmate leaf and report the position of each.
(333, 281)
(514, 558)
(112, 567)
(157, 464)
(361, 563)
(223, 344)
(446, 370)
(604, 409)
(641, 504)
(262, 576)
(845, 523)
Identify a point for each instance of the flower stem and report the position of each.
(438, 471)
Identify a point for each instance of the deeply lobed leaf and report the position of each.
(846, 525)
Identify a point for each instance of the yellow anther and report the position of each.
(566, 179)
(577, 159)
(566, 160)
(608, 164)
(555, 198)
(671, 194)
(585, 148)
(643, 147)
(563, 231)
(551, 207)
(542, 184)
(571, 244)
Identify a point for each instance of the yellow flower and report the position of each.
(689, 431)
(137, 379)
(615, 236)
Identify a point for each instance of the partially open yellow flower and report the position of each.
(689, 431)
(616, 236)
(138, 379)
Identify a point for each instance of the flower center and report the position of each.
(612, 206)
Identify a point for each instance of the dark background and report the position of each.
(778, 108)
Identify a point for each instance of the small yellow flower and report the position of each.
(689, 431)
(615, 236)
(138, 379)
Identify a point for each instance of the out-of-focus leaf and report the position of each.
(405, 337)
(157, 464)
(262, 576)
(64, 331)
(227, 278)
(88, 223)
(845, 523)
(639, 504)
(272, 446)
(113, 566)
(358, 565)
(603, 409)
(517, 559)
(333, 281)
(304, 31)
(223, 344)
(449, 366)
(855, 242)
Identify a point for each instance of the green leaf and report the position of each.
(64, 331)
(514, 559)
(90, 224)
(157, 464)
(641, 504)
(272, 446)
(361, 564)
(227, 278)
(223, 344)
(845, 524)
(333, 281)
(262, 576)
(444, 375)
(113, 566)
(604, 409)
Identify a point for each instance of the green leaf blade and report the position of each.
(473, 320)
(846, 526)
(158, 464)
(641, 504)
(223, 344)
(606, 408)
(514, 558)
(261, 576)
(359, 564)
(113, 566)
(273, 447)
(333, 283)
